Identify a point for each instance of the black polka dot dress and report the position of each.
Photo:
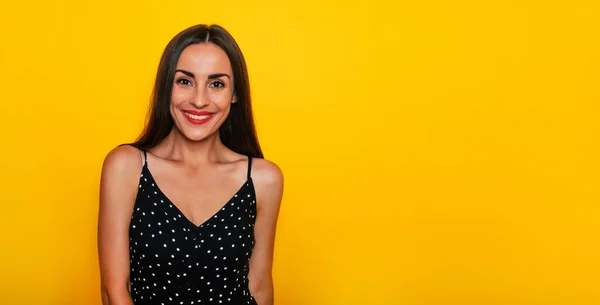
(173, 261)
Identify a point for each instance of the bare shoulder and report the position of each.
(122, 156)
(266, 173)
(119, 185)
(122, 162)
(267, 178)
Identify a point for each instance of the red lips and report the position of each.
(205, 114)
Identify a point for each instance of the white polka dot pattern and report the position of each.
(173, 261)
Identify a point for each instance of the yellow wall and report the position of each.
(435, 152)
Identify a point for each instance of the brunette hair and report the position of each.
(238, 132)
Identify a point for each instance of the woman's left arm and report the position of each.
(268, 183)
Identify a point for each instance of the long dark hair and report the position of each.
(237, 132)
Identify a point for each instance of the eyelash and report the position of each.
(221, 84)
(182, 80)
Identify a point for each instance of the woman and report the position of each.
(188, 212)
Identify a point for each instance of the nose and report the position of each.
(200, 99)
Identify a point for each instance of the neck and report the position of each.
(177, 147)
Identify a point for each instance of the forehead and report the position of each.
(204, 58)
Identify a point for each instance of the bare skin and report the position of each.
(194, 170)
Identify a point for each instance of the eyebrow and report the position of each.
(212, 76)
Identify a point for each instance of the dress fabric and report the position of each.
(175, 262)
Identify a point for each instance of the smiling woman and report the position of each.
(193, 58)
(188, 212)
(195, 90)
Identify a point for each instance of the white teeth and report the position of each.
(197, 117)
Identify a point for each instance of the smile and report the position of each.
(198, 118)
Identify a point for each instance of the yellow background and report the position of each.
(435, 152)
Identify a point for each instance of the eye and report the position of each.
(217, 84)
(184, 81)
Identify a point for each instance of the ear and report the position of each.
(234, 99)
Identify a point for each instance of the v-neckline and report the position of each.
(187, 219)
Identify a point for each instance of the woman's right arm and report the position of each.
(118, 189)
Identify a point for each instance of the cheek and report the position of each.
(221, 99)
(179, 96)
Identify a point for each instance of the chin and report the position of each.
(195, 133)
(195, 136)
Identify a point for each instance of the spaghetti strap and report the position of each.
(249, 166)
(144, 158)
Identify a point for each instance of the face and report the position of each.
(202, 91)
